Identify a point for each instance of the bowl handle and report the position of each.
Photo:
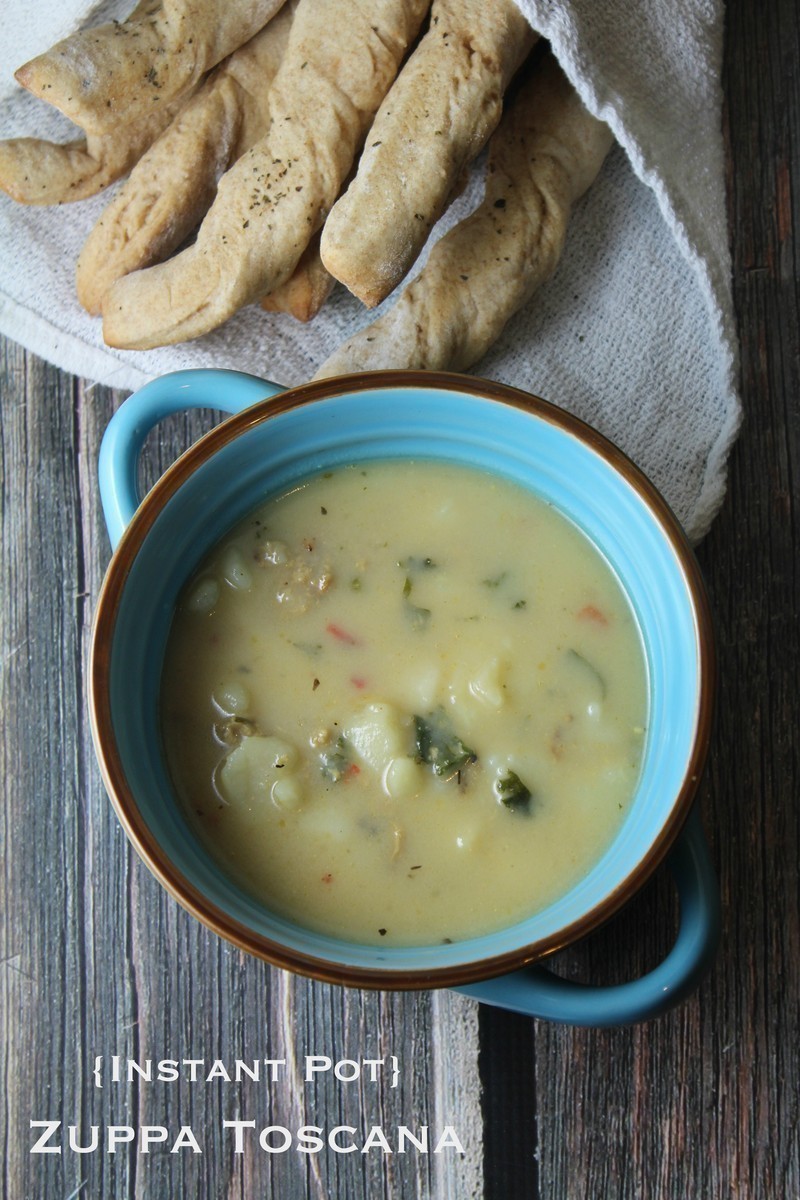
(537, 992)
(122, 442)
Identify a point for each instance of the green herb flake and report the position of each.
(496, 581)
(590, 672)
(417, 616)
(513, 793)
(312, 649)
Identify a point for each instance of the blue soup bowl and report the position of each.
(276, 439)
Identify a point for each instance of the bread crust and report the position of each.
(306, 290)
(545, 154)
(437, 118)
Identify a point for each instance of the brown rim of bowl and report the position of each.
(125, 803)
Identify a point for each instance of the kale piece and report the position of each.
(438, 744)
(513, 793)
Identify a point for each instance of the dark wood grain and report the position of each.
(95, 959)
(704, 1102)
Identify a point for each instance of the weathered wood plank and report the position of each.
(704, 1102)
(96, 960)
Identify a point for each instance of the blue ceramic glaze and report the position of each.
(537, 992)
(364, 424)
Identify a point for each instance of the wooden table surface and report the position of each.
(95, 959)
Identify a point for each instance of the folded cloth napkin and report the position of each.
(635, 333)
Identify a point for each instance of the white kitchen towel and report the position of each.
(635, 333)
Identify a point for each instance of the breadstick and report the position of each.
(438, 116)
(544, 155)
(124, 70)
(172, 187)
(304, 292)
(341, 60)
(33, 171)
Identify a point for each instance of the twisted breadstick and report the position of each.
(445, 104)
(33, 171)
(125, 70)
(544, 155)
(122, 84)
(172, 187)
(341, 60)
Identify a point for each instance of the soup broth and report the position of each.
(405, 703)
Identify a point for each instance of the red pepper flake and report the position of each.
(590, 612)
(358, 681)
(341, 634)
(327, 877)
(352, 770)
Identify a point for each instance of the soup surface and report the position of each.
(405, 703)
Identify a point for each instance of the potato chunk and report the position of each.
(379, 734)
(260, 770)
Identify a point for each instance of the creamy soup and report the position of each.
(405, 703)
